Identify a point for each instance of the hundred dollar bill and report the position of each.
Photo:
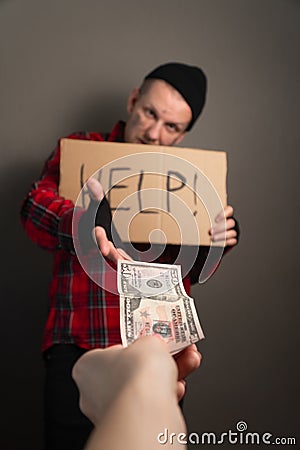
(171, 313)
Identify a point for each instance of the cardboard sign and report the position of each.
(157, 194)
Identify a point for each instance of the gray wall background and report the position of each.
(68, 65)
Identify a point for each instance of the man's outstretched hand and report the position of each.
(107, 248)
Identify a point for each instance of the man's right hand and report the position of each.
(95, 189)
(107, 248)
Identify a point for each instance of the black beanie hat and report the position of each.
(190, 81)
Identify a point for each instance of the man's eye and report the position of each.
(149, 112)
(172, 127)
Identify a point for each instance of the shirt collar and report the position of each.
(117, 133)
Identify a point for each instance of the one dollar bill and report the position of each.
(153, 301)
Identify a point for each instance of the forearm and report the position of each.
(45, 215)
(137, 416)
(47, 218)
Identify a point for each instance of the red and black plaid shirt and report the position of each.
(80, 311)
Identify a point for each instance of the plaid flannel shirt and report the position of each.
(80, 312)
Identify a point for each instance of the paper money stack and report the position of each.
(153, 301)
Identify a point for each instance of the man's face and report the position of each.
(158, 115)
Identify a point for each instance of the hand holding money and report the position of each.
(153, 301)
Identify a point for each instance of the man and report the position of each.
(82, 316)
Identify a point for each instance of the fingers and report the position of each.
(124, 255)
(218, 233)
(230, 237)
(225, 225)
(224, 228)
(95, 189)
(231, 242)
(226, 212)
(180, 389)
(188, 360)
(102, 241)
(107, 248)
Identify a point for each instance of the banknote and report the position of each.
(137, 278)
(170, 312)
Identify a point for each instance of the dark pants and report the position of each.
(66, 428)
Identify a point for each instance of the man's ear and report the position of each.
(133, 96)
